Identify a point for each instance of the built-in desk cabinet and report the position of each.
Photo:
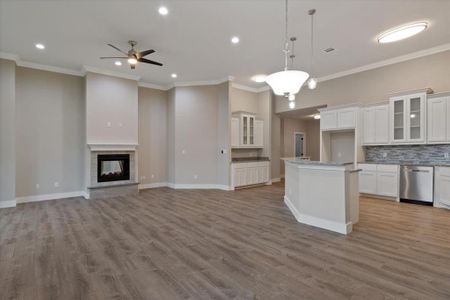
(439, 120)
(247, 131)
(380, 180)
(407, 119)
(249, 173)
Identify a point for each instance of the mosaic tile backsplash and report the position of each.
(414, 154)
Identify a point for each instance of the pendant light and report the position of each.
(312, 82)
(288, 82)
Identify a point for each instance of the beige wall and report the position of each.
(152, 150)
(171, 135)
(376, 85)
(7, 130)
(111, 110)
(50, 132)
(241, 100)
(197, 158)
(313, 139)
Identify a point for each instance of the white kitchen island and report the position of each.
(322, 194)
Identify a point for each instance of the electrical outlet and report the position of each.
(446, 155)
(37, 186)
(56, 184)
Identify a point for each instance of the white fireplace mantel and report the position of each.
(112, 147)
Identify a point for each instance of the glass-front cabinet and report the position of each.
(247, 130)
(408, 118)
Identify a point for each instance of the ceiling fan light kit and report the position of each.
(133, 56)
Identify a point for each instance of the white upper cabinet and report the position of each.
(408, 119)
(375, 122)
(259, 134)
(247, 132)
(338, 119)
(234, 132)
(439, 120)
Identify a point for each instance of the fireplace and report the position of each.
(113, 167)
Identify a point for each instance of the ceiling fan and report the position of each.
(133, 56)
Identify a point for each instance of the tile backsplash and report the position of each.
(409, 153)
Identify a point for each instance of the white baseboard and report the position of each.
(276, 180)
(318, 222)
(37, 198)
(199, 186)
(7, 203)
(153, 185)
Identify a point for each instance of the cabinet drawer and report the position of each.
(387, 168)
(444, 171)
(367, 167)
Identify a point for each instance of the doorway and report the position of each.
(299, 144)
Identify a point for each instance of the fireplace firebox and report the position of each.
(113, 167)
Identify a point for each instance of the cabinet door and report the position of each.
(387, 184)
(252, 175)
(251, 130)
(244, 130)
(368, 125)
(259, 133)
(381, 124)
(415, 118)
(367, 182)
(398, 121)
(234, 132)
(444, 189)
(328, 120)
(239, 177)
(437, 120)
(346, 118)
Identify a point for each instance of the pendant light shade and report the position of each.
(288, 82)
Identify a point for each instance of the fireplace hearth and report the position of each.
(113, 167)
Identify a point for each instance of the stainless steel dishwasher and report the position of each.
(416, 184)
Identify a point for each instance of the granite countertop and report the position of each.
(249, 159)
(300, 161)
(408, 163)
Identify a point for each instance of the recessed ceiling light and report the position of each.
(259, 78)
(317, 117)
(235, 39)
(402, 32)
(40, 46)
(163, 10)
(118, 63)
(174, 75)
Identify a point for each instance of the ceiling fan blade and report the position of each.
(145, 53)
(117, 49)
(108, 57)
(148, 61)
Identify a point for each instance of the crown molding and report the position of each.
(154, 86)
(9, 56)
(106, 72)
(31, 65)
(387, 62)
(249, 88)
(206, 82)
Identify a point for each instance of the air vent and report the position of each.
(328, 50)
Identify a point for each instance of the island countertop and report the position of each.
(299, 161)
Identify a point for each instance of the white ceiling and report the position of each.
(194, 39)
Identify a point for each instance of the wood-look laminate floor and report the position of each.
(186, 244)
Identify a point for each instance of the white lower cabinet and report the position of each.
(442, 187)
(381, 180)
(249, 173)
